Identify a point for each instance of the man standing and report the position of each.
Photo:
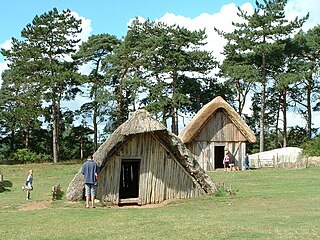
(226, 161)
(90, 172)
(246, 161)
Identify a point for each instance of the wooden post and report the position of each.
(1, 178)
(307, 162)
(273, 162)
(1, 181)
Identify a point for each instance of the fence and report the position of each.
(284, 161)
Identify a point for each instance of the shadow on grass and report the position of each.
(5, 186)
(71, 162)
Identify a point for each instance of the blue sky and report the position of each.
(107, 16)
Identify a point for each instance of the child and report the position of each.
(226, 161)
(28, 186)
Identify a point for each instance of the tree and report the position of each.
(124, 78)
(20, 102)
(95, 51)
(171, 57)
(254, 37)
(307, 64)
(241, 76)
(49, 39)
(75, 141)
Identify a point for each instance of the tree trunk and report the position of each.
(309, 112)
(12, 139)
(276, 138)
(26, 139)
(120, 101)
(81, 148)
(263, 102)
(239, 100)
(263, 96)
(95, 126)
(284, 112)
(174, 112)
(55, 133)
(174, 127)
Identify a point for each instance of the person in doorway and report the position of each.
(28, 187)
(226, 161)
(246, 162)
(90, 171)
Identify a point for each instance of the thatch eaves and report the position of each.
(204, 115)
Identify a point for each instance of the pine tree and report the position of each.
(254, 38)
(48, 42)
(96, 51)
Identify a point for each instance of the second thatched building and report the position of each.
(215, 129)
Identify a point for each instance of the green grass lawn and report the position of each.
(269, 204)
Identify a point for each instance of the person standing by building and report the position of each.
(90, 171)
(246, 161)
(226, 161)
(28, 185)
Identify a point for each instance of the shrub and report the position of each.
(223, 190)
(57, 192)
(26, 156)
(312, 147)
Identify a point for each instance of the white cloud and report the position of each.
(6, 45)
(4, 65)
(221, 20)
(300, 8)
(85, 25)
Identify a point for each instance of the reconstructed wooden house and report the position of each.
(215, 129)
(142, 162)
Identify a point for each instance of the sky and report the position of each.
(113, 17)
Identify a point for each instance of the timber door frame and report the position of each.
(129, 181)
(219, 152)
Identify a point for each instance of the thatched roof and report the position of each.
(140, 122)
(143, 122)
(205, 114)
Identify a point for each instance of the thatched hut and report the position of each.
(142, 162)
(215, 129)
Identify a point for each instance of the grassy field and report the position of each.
(269, 204)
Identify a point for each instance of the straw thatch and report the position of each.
(140, 124)
(204, 115)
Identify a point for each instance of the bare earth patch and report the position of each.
(36, 205)
(162, 204)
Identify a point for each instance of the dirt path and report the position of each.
(36, 205)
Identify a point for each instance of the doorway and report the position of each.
(129, 178)
(218, 157)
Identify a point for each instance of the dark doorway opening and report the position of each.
(218, 156)
(129, 178)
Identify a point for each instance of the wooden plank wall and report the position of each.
(203, 151)
(109, 181)
(161, 176)
(220, 129)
